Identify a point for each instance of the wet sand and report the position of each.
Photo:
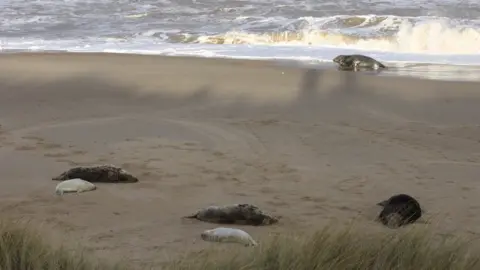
(314, 146)
(440, 72)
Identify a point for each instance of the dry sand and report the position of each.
(314, 146)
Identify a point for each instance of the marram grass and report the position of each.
(346, 249)
(21, 248)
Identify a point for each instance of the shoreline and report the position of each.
(313, 146)
(430, 71)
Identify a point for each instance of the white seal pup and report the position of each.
(228, 235)
(356, 62)
(74, 185)
(399, 210)
(101, 173)
(243, 214)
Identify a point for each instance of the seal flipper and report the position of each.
(60, 177)
(382, 203)
(192, 216)
(226, 221)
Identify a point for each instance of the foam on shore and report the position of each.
(397, 40)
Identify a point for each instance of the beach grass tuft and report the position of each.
(341, 249)
(22, 248)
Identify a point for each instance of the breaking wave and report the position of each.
(382, 33)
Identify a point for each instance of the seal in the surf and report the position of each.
(101, 173)
(228, 235)
(356, 62)
(399, 210)
(75, 185)
(245, 214)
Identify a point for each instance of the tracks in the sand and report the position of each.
(212, 134)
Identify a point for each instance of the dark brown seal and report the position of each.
(399, 210)
(245, 214)
(356, 62)
(101, 173)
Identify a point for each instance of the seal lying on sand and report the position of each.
(102, 173)
(228, 235)
(399, 210)
(357, 62)
(74, 185)
(245, 214)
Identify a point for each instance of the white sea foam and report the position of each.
(437, 36)
(388, 38)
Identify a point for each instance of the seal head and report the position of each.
(341, 59)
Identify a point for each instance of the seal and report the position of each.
(228, 235)
(399, 210)
(356, 62)
(244, 214)
(74, 185)
(102, 173)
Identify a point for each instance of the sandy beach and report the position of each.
(313, 146)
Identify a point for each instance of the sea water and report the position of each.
(397, 32)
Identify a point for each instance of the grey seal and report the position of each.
(399, 210)
(245, 214)
(228, 235)
(356, 62)
(76, 185)
(101, 173)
